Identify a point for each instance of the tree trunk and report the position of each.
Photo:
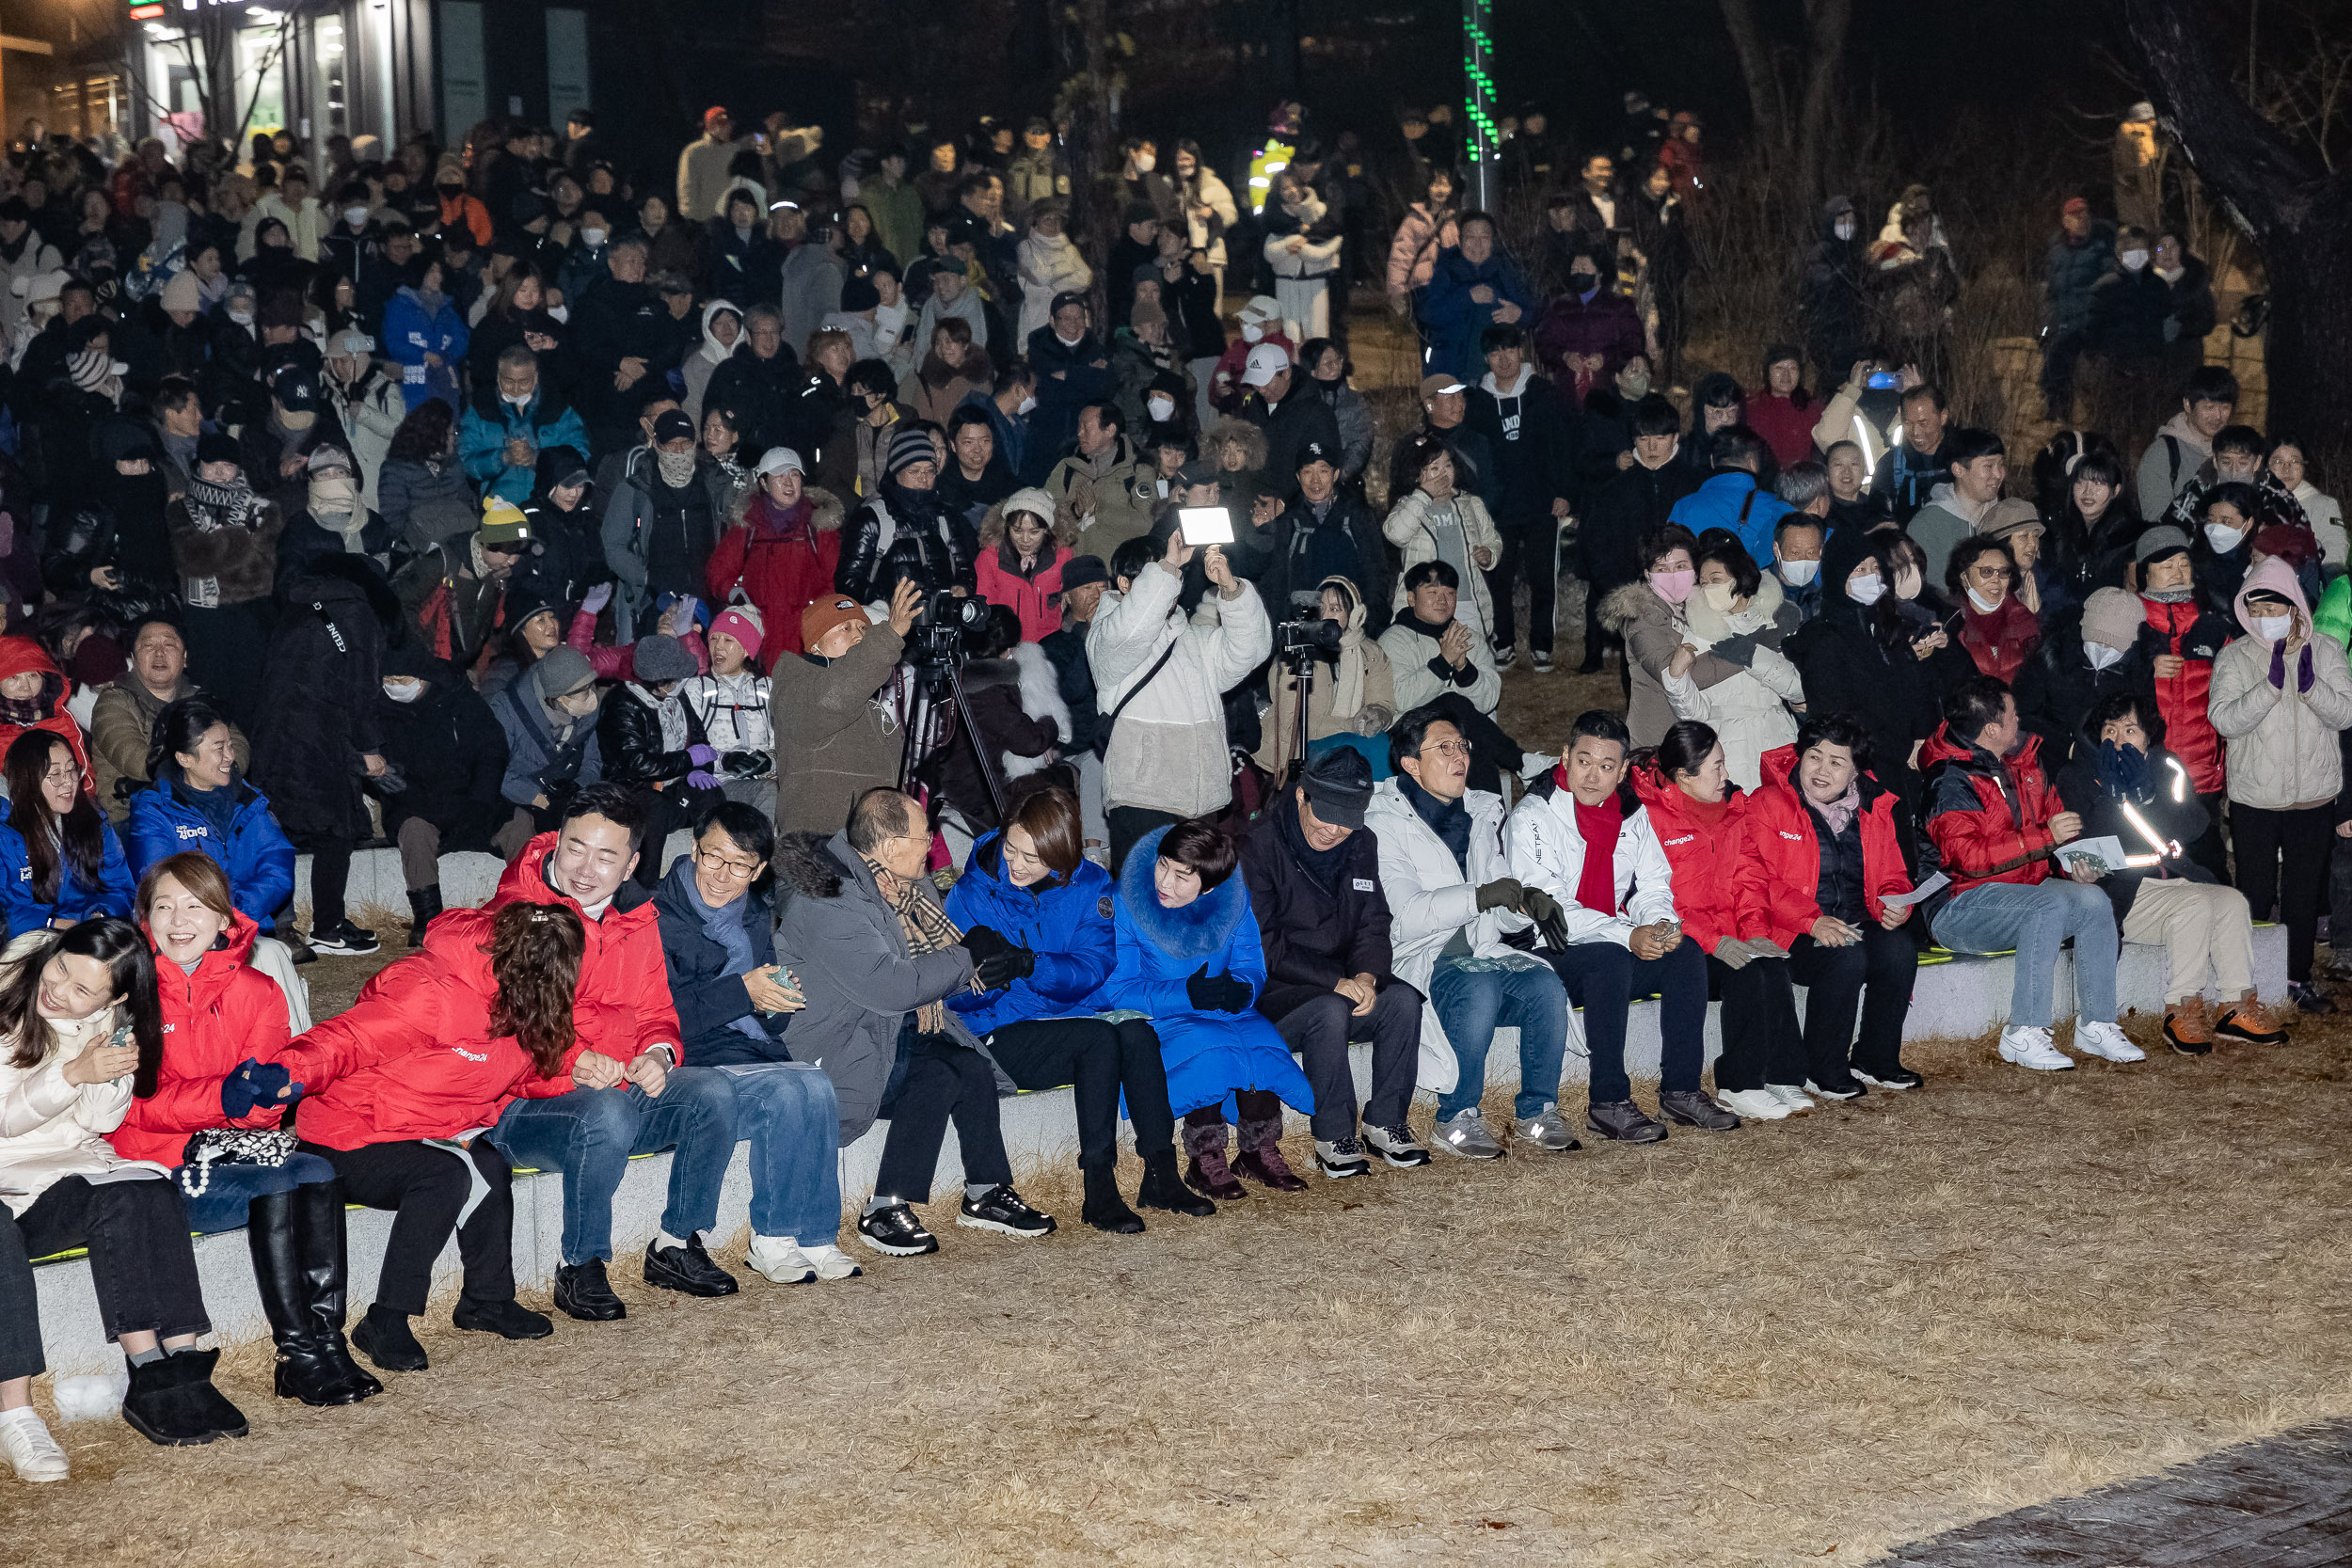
(1755, 67)
(1827, 23)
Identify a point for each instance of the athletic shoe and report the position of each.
(893, 1228)
(2249, 1021)
(582, 1291)
(384, 1336)
(1890, 1078)
(508, 1320)
(1693, 1108)
(779, 1260)
(1397, 1146)
(1000, 1209)
(688, 1270)
(2028, 1046)
(831, 1263)
(1506, 657)
(1464, 1134)
(2107, 1040)
(1622, 1121)
(343, 941)
(1847, 1087)
(24, 1438)
(2309, 998)
(1546, 1131)
(1540, 662)
(1341, 1158)
(1755, 1104)
(1798, 1101)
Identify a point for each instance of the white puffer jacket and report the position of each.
(1547, 850)
(2283, 751)
(1409, 527)
(1749, 712)
(51, 1129)
(1168, 752)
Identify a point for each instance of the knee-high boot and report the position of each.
(326, 1264)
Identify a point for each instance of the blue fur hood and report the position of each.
(1201, 928)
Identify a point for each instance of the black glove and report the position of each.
(252, 1084)
(1215, 994)
(1544, 909)
(1504, 892)
(999, 969)
(1736, 650)
(984, 944)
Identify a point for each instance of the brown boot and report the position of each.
(1206, 1171)
(2185, 1026)
(1262, 1157)
(2247, 1021)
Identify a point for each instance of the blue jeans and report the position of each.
(589, 1136)
(231, 1190)
(1994, 916)
(1474, 997)
(789, 1112)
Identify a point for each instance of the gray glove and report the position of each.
(1735, 650)
(1734, 953)
(1765, 947)
(1375, 718)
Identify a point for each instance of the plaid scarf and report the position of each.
(928, 929)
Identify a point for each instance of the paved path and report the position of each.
(2284, 1502)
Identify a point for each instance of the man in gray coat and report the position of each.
(877, 957)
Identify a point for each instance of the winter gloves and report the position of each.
(254, 1082)
(747, 765)
(702, 757)
(1737, 953)
(999, 969)
(1216, 993)
(1504, 892)
(1544, 909)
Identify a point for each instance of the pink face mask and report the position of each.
(1673, 587)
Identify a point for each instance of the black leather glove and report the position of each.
(984, 944)
(1216, 993)
(999, 969)
(1504, 892)
(1544, 909)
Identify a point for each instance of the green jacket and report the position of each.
(2334, 615)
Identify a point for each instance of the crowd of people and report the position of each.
(1040, 704)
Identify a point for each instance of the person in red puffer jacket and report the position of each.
(2178, 642)
(1824, 850)
(33, 691)
(784, 550)
(1785, 412)
(401, 1088)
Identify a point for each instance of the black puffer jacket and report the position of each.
(906, 534)
(628, 733)
(993, 688)
(451, 753)
(322, 689)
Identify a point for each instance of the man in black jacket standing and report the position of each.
(1325, 533)
(1632, 500)
(1314, 884)
(1290, 415)
(1526, 429)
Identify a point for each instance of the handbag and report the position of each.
(229, 1146)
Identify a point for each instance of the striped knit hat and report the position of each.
(910, 446)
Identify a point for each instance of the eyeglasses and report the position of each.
(1448, 748)
(720, 865)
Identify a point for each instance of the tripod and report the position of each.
(1301, 663)
(931, 724)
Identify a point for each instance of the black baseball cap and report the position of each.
(1338, 786)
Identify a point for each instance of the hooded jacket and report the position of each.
(164, 820)
(321, 690)
(451, 756)
(1452, 320)
(214, 1020)
(844, 732)
(1988, 818)
(1731, 499)
(622, 1007)
(76, 899)
(1067, 925)
(1780, 865)
(23, 655)
(633, 513)
(1167, 750)
(2280, 713)
(546, 419)
(1848, 666)
(536, 764)
(1830, 295)
(1546, 851)
(1410, 526)
(1750, 711)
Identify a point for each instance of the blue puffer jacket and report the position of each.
(1069, 929)
(1208, 1054)
(490, 421)
(1454, 321)
(259, 859)
(76, 899)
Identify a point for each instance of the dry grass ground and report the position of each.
(1801, 1342)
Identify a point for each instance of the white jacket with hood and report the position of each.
(1546, 851)
(1169, 749)
(1749, 711)
(2283, 752)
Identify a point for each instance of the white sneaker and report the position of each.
(2109, 1040)
(1755, 1104)
(830, 1263)
(780, 1260)
(1798, 1101)
(2028, 1045)
(25, 1440)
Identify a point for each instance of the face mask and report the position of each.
(1907, 584)
(593, 236)
(335, 493)
(404, 692)
(1162, 408)
(2133, 259)
(518, 401)
(1633, 384)
(1251, 332)
(2223, 538)
(1145, 162)
(1866, 592)
(1027, 405)
(1584, 283)
(559, 314)
(1799, 574)
(1673, 587)
(1719, 596)
(2102, 656)
(677, 467)
(1845, 229)
(1984, 606)
(2273, 628)
(354, 217)
(243, 318)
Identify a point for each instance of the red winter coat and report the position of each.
(782, 568)
(2002, 641)
(623, 1004)
(214, 1020)
(1706, 860)
(20, 654)
(1786, 428)
(1784, 851)
(2195, 634)
(1037, 600)
(1989, 819)
(414, 1057)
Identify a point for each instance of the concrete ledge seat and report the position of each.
(1956, 997)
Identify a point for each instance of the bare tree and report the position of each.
(1810, 69)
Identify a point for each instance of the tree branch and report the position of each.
(1756, 67)
(2264, 176)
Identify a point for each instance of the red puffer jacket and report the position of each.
(414, 1056)
(214, 1020)
(1706, 859)
(1999, 642)
(1785, 849)
(623, 1004)
(22, 655)
(2192, 633)
(1988, 820)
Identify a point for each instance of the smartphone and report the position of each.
(1205, 525)
(1884, 381)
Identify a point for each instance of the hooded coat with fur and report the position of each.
(782, 559)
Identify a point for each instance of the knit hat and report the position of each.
(745, 624)
(1081, 571)
(2113, 616)
(2004, 517)
(1036, 503)
(662, 658)
(1265, 362)
(451, 170)
(781, 460)
(503, 524)
(859, 293)
(525, 598)
(562, 671)
(1338, 786)
(1147, 313)
(218, 447)
(715, 113)
(825, 614)
(182, 294)
(2157, 543)
(912, 445)
(238, 288)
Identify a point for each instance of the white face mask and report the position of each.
(404, 692)
(1984, 606)
(243, 318)
(2274, 628)
(1719, 596)
(2101, 655)
(1027, 405)
(1866, 592)
(2133, 259)
(354, 217)
(559, 314)
(1145, 162)
(1845, 229)
(593, 236)
(2222, 537)
(1797, 573)
(1251, 332)
(1162, 408)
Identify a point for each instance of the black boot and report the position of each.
(385, 1338)
(423, 904)
(1164, 1188)
(319, 1237)
(208, 1403)
(158, 1407)
(302, 1372)
(1105, 1209)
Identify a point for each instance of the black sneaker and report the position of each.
(385, 1338)
(1622, 1121)
(687, 1269)
(1839, 1088)
(582, 1291)
(1696, 1108)
(1890, 1078)
(343, 941)
(2309, 998)
(894, 1230)
(1002, 1210)
(1341, 1158)
(508, 1319)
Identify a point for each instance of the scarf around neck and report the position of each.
(927, 928)
(1841, 811)
(214, 507)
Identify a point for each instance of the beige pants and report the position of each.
(275, 960)
(2208, 936)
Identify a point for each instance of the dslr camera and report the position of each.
(1307, 634)
(936, 641)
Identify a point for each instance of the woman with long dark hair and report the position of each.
(422, 490)
(80, 1035)
(59, 865)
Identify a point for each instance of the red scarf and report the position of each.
(1597, 887)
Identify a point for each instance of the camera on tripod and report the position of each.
(1309, 636)
(937, 637)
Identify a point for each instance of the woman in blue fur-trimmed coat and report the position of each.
(1189, 956)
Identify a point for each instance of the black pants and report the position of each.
(2209, 850)
(666, 811)
(1761, 1041)
(1097, 1058)
(1874, 975)
(1604, 978)
(1317, 1025)
(426, 1189)
(1531, 547)
(330, 874)
(1493, 753)
(2059, 357)
(140, 1261)
(1130, 823)
(1599, 637)
(939, 1080)
(2283, 865)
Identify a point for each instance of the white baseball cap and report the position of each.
(1265, 362)
(780, 460)
(1261, 309)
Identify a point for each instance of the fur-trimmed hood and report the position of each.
(825, 515)
(1253, 439)
(1198, 930)
(807, 867)
(1632, 604)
